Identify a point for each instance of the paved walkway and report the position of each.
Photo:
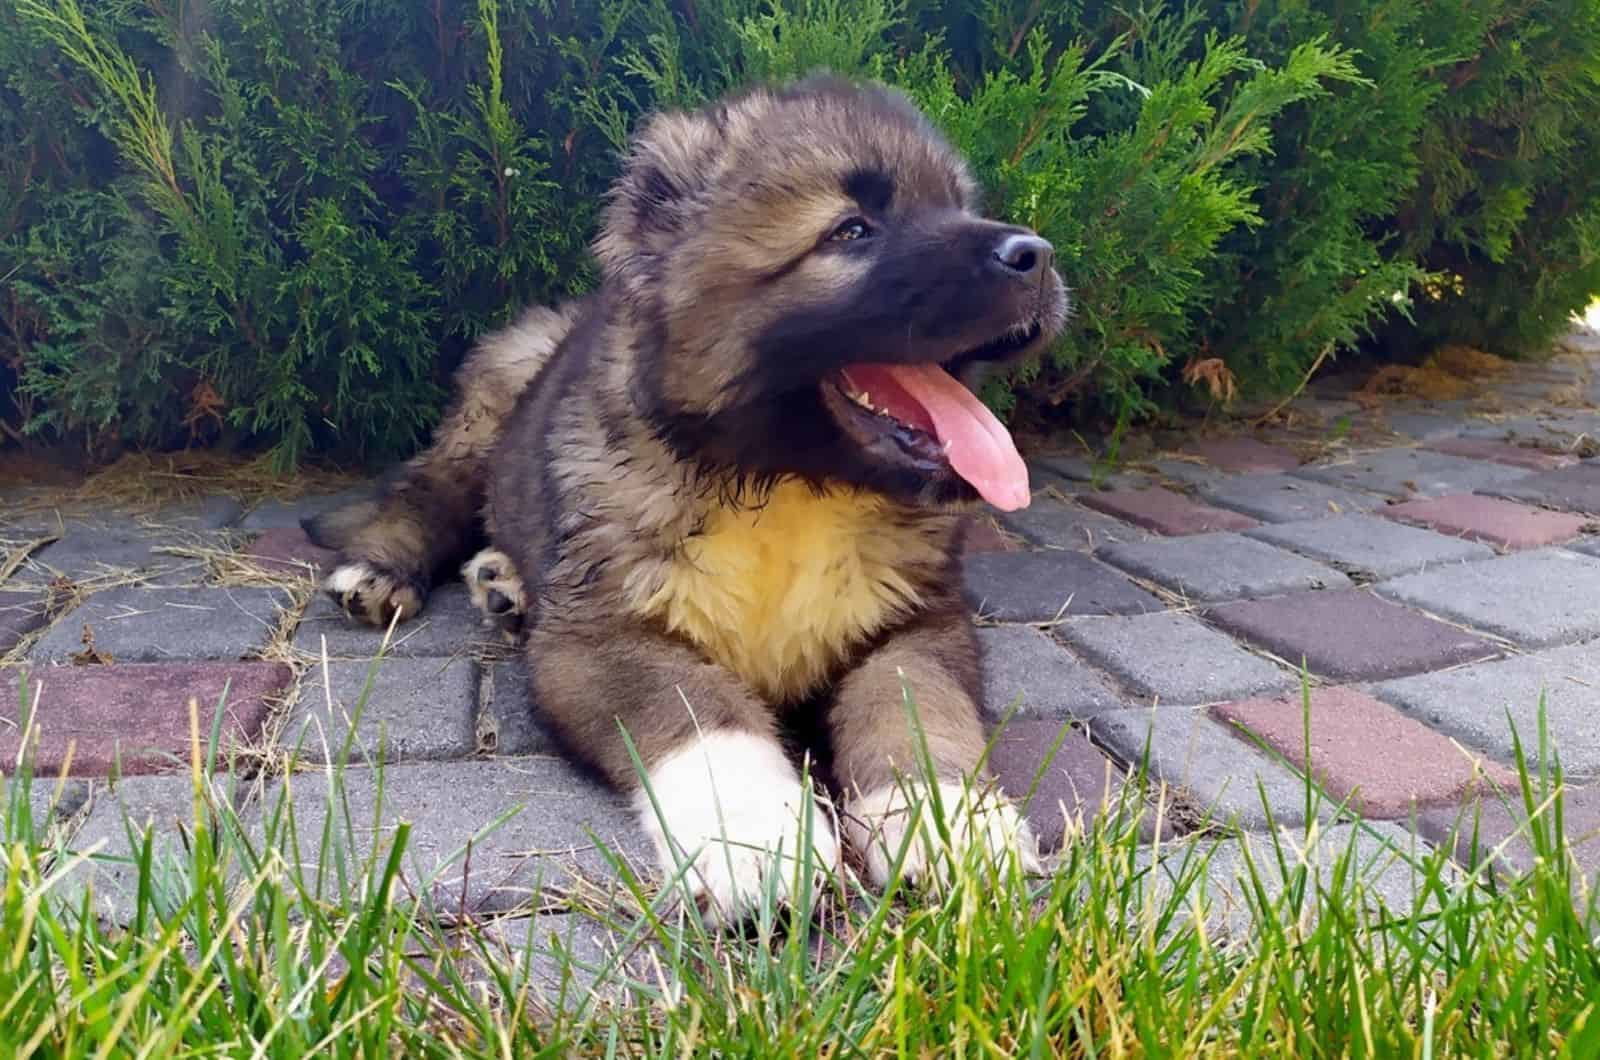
(1435, 566)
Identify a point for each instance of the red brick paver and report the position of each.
(138, 710)
(1243, 454)
(288, 548)
(1350, 635)
(1363, 748)
(1498, 522)
(1502, 453)
(1165, 512)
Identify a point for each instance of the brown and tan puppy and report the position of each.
(723, 492)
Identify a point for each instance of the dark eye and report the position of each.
(855, 228)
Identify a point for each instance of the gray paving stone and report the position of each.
(163, 806)
(136, 624)
(1423, 424)
(277, 514)
(1367, 546)
(1589, 545)
(1043, 586)
(415, 709)
(20, 614)
(1537, 599)
(46, 805)
(1077, 472)
(1561, 431)
(1189, 472)
(1221, 776)
(563, 959)
(1410, 473)
(543, 843)
(1571, 489)
(1381, 855)
(1284, 498)
(508, 719)
(1472, 704)
(87, 553)
(1224, 566)
(448, 625)
(1056, 523)
(1172, 657)
(1027, 671)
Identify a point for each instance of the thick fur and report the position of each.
(692, 544)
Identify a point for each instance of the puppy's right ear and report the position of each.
(671, 163)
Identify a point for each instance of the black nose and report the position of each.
(1024, 255)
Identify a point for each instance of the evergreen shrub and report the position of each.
(278, 225)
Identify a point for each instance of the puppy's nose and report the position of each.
(1024, 255)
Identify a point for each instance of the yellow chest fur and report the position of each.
(781, 594)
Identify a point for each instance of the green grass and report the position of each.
(269, 935)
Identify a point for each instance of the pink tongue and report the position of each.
(977, 445)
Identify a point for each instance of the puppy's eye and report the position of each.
(855, 228)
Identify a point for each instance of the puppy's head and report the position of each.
(819, 293)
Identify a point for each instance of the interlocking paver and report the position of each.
(1042, 586)
(1537, 599)
(1350, 635)
(1027, 671)
(276, 514)
(1222, 567)
(1282, 498)
(135, 715)
(1571, 489)
(1220, 776)
(20, 614)
(559, 957)
(1077, 471)
(1474, 703)
(1056, 523)
(1409, 473)
(164, 807)
(1502, 453)
(448, 625)
(1078, 785)
(1361, 750)
(1381, 854)
(1423, 424)
(1500, 522)
(1166, 512)
(1368, 546)
(102, 550)
(550, 810)
(414, 709)
(1243, 454)
(981, 535)
(508, 719)
(1589, 544)
(1502, 830)
(1564, 431)
(138, 624)
(1172, 657)
(289, 550)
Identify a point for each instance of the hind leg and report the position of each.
(496, 590)
(429, 520)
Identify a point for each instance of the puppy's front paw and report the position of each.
(733, 803)
(373, 594)
(495, 589)
(877, 824)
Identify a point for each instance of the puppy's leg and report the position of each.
(496, 590)
(428, 519)
(722, 795)
(878, 755)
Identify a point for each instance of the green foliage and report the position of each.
(280, 225)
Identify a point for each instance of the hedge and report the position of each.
(275, 225)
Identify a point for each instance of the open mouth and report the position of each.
(921, 415)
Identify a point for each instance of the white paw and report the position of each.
(732, 804)
(876, 826)
(495, 589)
(373, 594)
